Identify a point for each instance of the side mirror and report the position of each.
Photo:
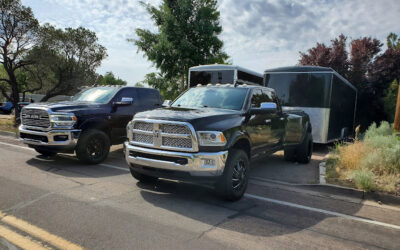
(125, 101)
(265, 108)
(167, 103)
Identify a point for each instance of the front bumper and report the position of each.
(207, 164)
(56, 138)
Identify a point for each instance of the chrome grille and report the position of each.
(35, 118)
(164, 135)
(148, 139)
(177, 142)
(175, 129)
(144, 126)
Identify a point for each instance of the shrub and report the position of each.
(351, 155)
(384, 129)
(364, 179)
(373, 163)
(383, 154)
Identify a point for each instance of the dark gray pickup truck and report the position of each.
(210, 134)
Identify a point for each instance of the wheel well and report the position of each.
(309, 128)
(101, 127)
(244, 145)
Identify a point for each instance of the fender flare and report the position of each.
(239, 136)
(95, 123)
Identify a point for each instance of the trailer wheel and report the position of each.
(233, 182)
(93, 146)
(304, 150)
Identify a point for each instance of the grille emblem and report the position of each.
(33, 116)
(156, 133)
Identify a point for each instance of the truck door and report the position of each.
(121, 115)
(277, 120)
(259, 125)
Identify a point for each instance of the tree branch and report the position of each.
(4, 92)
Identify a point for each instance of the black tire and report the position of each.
(142, 177)
(45, 152)
(289, 154)
(233, 182)
(304, 150)
(93, 146)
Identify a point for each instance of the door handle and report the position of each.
(268, 121)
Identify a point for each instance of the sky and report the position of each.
(257, 34)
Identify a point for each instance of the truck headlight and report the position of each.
(211, 138)
(63, 120)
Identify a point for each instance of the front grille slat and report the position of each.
(35, 118)
(177, 142)
(175, 129)
(144, 126)
(148, 139)
(163, 135)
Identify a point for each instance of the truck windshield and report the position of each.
(213, 97)
(96, 95)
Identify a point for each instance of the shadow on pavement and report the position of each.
(249, 216)
(69, 167)
(274, 167)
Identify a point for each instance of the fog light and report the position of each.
(60, 137)
(207, 162)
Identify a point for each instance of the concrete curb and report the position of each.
(352, 192)
(6, 133)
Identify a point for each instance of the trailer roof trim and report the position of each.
(223, 67)
(299, 69)
(309, 69)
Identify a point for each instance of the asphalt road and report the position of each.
(60, 203)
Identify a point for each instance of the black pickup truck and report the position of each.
(210, 134)
(88, 124)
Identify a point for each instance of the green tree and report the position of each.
(390, 100)
(187, 36)
(65, 59)
(393, 41)
(167, 86)
(139, 84)
(110, 79)
(18, 28)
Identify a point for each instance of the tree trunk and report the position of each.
(396, 126)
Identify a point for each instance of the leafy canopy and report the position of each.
(110, 79)
(67, 59)
(18, 28)
(187, 36)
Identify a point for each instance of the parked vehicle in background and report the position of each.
(23, 104)
(6, 107)
(210, 134)
(328, 98)
(222, 73)
(93, 120)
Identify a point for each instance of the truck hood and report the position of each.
(201, 119)
(67, 106)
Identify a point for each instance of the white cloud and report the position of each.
(258, 34)
(261, 34)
